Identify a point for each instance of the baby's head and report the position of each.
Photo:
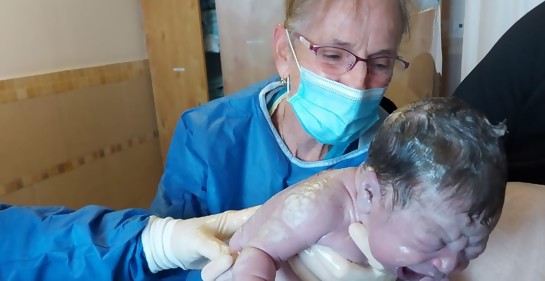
(437, 174)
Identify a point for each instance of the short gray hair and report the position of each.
(297, 12)
(443, 146)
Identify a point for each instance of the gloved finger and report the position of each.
(216, 267)
(226, 223)
(211, 247)
(359, 234)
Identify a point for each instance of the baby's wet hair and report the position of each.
(442, 143)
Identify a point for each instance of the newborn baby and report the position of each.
(429, 194)
(321, 208)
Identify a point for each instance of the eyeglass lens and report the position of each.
(338, 61)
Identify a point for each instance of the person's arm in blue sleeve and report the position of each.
(96, 243)
(182, 185)
(56, 243)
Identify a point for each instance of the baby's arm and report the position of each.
(288, 223)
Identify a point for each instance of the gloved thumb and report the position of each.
(207, 248)
(359, 234)
(218, 228)
(225, 224)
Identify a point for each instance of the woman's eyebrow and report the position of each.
(340, 43)
(382, 53)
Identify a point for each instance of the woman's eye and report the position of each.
(379, 66)
(380, 63)
(332, 57)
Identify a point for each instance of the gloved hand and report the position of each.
(192, 243)
(320, 263)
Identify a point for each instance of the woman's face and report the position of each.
(427, 240)
(366, 28)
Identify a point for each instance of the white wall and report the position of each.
(485, 22)
(456, 19)
(40, 36)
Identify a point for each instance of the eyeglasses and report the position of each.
(338, 61)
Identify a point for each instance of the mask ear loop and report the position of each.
(294, 56)
(293, 50)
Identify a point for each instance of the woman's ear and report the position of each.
(367, 188)
(281, 51)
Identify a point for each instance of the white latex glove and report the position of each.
(320, 263)
(191, 244)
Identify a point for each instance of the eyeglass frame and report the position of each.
(315, 47)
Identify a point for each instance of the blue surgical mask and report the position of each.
(331, 112)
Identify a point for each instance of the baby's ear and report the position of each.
(367, 188)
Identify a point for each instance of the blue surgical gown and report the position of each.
(55, 243)
(226, 155)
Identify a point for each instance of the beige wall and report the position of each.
(46, 36)
(84, 136)
(77, 118)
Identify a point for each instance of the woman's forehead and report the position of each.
(352, 21)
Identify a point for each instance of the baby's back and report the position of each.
(315, 211)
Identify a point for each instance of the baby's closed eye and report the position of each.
(473, 252)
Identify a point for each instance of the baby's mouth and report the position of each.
(406, 274)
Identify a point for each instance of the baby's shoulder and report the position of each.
(344, 177)
(338, 173)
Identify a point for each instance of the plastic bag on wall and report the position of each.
(426, 4)
(421, 47)
(208, 5)
(210, 31)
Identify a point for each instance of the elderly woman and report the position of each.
(334, 61)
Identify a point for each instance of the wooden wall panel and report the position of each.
(176, 56)
(421, 79)
(80, 136)
(246, 29)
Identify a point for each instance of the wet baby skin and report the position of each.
(318, 211)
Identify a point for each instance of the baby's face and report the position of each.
(425, 241)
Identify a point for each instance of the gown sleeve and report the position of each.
(56, 243)
(208, 158)
(182, 188)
